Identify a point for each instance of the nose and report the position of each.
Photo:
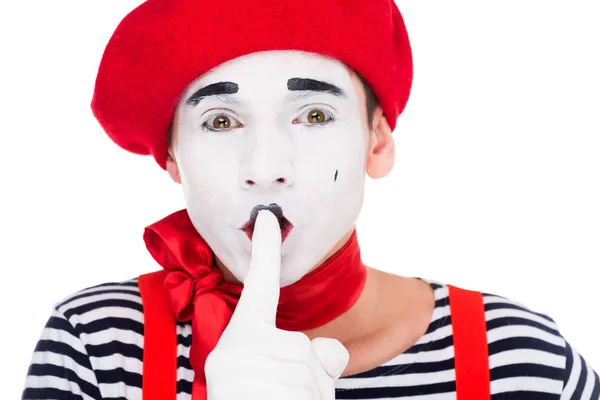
(267, 163)
(266, 182)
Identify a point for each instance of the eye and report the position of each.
(315, 116)
(221, 122)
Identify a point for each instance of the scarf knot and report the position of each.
(184, 290)
(207, 283)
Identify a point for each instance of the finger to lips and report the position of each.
(260, 295)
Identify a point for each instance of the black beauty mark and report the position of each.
(335, 177)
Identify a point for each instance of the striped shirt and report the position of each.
(92, 348)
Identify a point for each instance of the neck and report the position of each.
(361, 320)
(389, 317)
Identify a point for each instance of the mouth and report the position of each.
(284, 224)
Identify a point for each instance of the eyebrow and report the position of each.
(313, 85)
(215, 89)
(306, 85)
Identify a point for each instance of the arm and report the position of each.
(60, 367)
(580, 380)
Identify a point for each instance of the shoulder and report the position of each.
(511, 323)
(528, 356)
(525, 347)
(116, 305)
(92, 345)
(527, 352)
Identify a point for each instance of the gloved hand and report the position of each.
(255, 360)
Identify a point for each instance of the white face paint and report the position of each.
(272, 152)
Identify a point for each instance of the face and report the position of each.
(283, 130)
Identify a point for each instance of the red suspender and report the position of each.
(159, 379)
(471, 357)
(160, 342)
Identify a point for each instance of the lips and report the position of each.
(284, 225)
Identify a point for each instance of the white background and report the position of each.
(496, 185)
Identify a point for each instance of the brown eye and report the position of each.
(221, 122)
(316, 117)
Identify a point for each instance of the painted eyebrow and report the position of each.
(313, 85)
(215, 89)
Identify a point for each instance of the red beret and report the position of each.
(164, 45)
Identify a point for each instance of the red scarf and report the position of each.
(198, 293)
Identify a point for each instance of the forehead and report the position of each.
(266, 74)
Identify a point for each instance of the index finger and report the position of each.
(260, 295)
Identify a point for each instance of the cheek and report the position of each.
(207, 166)
(322, 155)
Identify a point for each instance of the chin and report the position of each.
(291, 275)
(304, 249)
(298, 262)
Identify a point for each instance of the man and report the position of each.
(269, 114)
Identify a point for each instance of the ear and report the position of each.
(381, 151)
(172, 168)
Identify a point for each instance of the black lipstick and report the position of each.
(284, 224)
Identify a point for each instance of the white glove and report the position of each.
(255, 360)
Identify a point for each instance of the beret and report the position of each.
(162, 46)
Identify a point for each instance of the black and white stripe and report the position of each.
(92, 348)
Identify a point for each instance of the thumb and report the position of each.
(332, 355)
